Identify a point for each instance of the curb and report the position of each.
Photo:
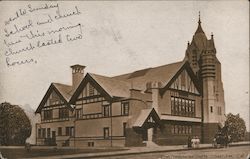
(147, 152)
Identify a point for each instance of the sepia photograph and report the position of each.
(124, 79)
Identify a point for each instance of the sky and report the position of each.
(121, 37)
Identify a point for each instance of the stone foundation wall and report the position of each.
(97, 143)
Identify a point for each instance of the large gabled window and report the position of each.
(182, 106)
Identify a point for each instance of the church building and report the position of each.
(161, 105)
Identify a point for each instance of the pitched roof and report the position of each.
(115, 88)
(163, 74)
(65, 90)
(200, 40)
(199, 29)
(210, 44)
(199, 37)
(144, 115)
(120, 86)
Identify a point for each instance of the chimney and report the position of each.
(77, 75)
(155, 94)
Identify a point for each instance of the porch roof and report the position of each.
(145, 115)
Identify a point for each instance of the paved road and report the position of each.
(239, 152)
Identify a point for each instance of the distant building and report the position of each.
(161, 105)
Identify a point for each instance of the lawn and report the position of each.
(12, 153)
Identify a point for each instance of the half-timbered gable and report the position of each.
(54, 99)
(96, 94)
(89, 94)
(184, 83)
(183, 93)
(56, 116)
(89, 99)
(54, 106)
(181, 96)
(184, 80)
(144, 79)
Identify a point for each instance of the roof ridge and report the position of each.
(61, 84)
(168, 64)
(98, 74)
(111, 78)
(63, 89)
(148, 68)
(113, 87)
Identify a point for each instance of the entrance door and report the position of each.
(150, 134)
(145, 135)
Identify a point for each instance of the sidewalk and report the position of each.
(139, 150)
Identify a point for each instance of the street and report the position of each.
(239, 152)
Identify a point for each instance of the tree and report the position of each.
(235, 126)
(15, 126)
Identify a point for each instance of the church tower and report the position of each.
(201, 54)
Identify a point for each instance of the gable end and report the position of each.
(88, 79)
(190, 72)
(47, 95)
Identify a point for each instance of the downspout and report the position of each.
(111, 132)
(202, 121)
(74, 126)
(202, 114)
(36, 134)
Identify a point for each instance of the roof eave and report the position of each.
(185, 64)
(38, 110)
(82, 84)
